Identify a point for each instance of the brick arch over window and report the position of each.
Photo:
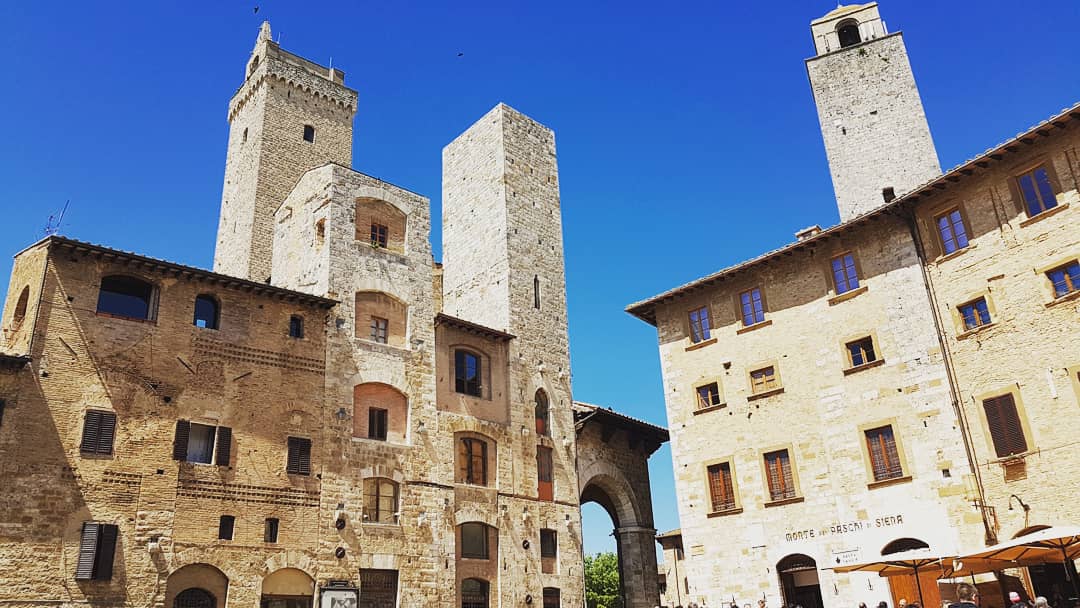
(382, 318)
(380, 412)
(380, 224)
(198, 576)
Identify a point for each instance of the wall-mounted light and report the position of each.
(341, 414)
(1026, 507)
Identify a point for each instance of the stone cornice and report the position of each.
(294, 76)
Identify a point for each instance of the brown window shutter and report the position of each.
(106, 432)
(91, 430)
(1005, 428)
(103, 565)
(292, 465)
(299, 461)
(305, 456)
(224, 446)
(84, 567)
(180, 441)
(463, 460)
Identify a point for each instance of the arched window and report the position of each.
(474, 593)
(543, 420)
(472, 461)
(848, 31)
(475, 540)
(194, 598)
(467, 373)
(309, 133)
(20, 306)
(380, 501)
(380, 412)
(206, 312)
(903, 544)
(125, 296)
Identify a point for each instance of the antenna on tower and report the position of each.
(53, 225)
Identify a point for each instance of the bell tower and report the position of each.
(876, 136)
(289, 116)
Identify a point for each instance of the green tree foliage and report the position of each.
(602, 581)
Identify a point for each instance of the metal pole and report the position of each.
(918, 585)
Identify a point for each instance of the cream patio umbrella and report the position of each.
(1058, 544)
(904, 562)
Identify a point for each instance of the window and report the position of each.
(848, 33)
(721, 491)
(296, 327)
(379, 327)
(884, 458)
(1006, 432)
(542, 414)
(474, 540)
(270, 530)
(309, 133)
(472, 461)
(126, 297)
(379, 588)
(206, 312)
(379, 235)
(1065, 279)
(753, 311)
(551, 597)
(196, 443)
(549, 543)
(536, 292)
(20, 307)
(845, 276)
(243, 138)
(699, 324)
(467, 373)
(474, 593)
(193, 597)
(299, 459)
(99, 428)
(975, 314)
(708, 395)
(380, 501)
(97, 547)
(861, 352)
(951, 229)
(225, 527)
(2, 404)
(1036, 190)
(764, 380)
(888, 193)
(778, 473)
(376, 426)
(544, 473)
(320, 232)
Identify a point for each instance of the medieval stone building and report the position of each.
(329, 414)
(909, 377)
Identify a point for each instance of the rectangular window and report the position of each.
(721, 490)
(225, 527)
(1037, 191)
(951, 229)
(975, 314)
(379, 330)
(299, 460)
(474, 540)
(97, 548)
(378, 235)
(699, 324)
(551, 597)
(845, 277)
(467, 373)
(296, 327)
(380, 501)
(861, 352)
(753, 310)
(270, 530)
(544, 473)
(379, 588)
(549, 551)
(202, 444)
(884, 458)
(1065, 279)
(472, 461)
(2, 412)
(99, 428)
(763, 380)
(778, 473)
(1006, 432)
(376, 426)
(708, 395)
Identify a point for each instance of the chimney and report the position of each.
(806, 233)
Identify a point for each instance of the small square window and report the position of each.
(379, 330)
(861, 352)
(296, 327)
(708, 395)
(378, 235)
(225, 527)
(845, 275)
(270, 531)
(764, 380)
(1065, 279)
(951, 230)
(1037, 191)
(699, 324)
(753, 309)
(975, 314)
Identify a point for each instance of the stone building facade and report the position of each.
(906, 378)
(328, 414)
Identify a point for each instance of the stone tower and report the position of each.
(876, 136)
(289, 116)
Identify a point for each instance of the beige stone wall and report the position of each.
(27, 277)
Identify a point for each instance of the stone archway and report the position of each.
(612, 466)
(196, 585)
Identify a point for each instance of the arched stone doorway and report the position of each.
(196, 586)
(613, 453)
(905, 586)
(799, 581)
(287, 588)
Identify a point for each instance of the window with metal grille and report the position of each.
(99, 429)
(380, 501)
(379, 235)
(194, 598)
(1065, 279)
(379, 329)
(299, 459)
(551, 597)
(845, 275)
(1003, 420)
(296, 327)
(472, 461)
(708, 395)
(884, 457)
(474, 540)
(467, 373)
(270, 530)
(202, 443)
(378, 588)
(779, 476)
(699, 324)
(861, 351)
(206, 312)
(124, 296)
(1037, 191)
(474, 593)
(544, 473)
(309, 133)
(225, 527)
(975, 313)
(542, 414)
(97, 548)
(376, 426)
(951, 230)
(753, 309)
(763, 380)
(721, 491)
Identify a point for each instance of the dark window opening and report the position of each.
(551, 597)
(377, 423)
(99, 429)
(888, 193)
(296, 327)
(270, 531)
(379, 588)
(202, 443)
(320, 231)
(124, 296)
(194, 598)
(536, 292)
(379, 330)
(379, 235)
(952, 231)
(309, 133)
(225, 527)
(206, 312)
(2, 404)
(243, 138)
(848, 32)
(20, 306)
(542, 414)
(472, 461)
(549, 545)
(861, 352)
(467, 373)
(97, 548)
(474, 541)
(474, 593)
(299, 459)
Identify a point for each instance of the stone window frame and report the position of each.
(1048, 286)
(698, 408)
(845, 353)
(397, 414)
(378, 483)
(736, 498)
(961, 331)
(795, 482)
(549, 564)
(759, 366)
(825, 265)
(1021, 413)
(943, 210)
(901, 452)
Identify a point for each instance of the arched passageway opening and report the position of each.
(196, 586)
(799, 581)
(287, 588)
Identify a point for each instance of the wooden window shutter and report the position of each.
(91, 430)
(224, 446)
(180, 441)
(84, 566)
(106, 551)
(293, 463)
(1005, 428)
(106, 433)
(463, 460)
(299, 461)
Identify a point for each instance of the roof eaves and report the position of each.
(471, 327)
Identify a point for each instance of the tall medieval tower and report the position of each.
(876, 136)
(289, 116)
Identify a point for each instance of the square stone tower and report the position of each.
(289, 116)
(872, 120)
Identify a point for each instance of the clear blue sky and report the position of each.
(686, 132)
